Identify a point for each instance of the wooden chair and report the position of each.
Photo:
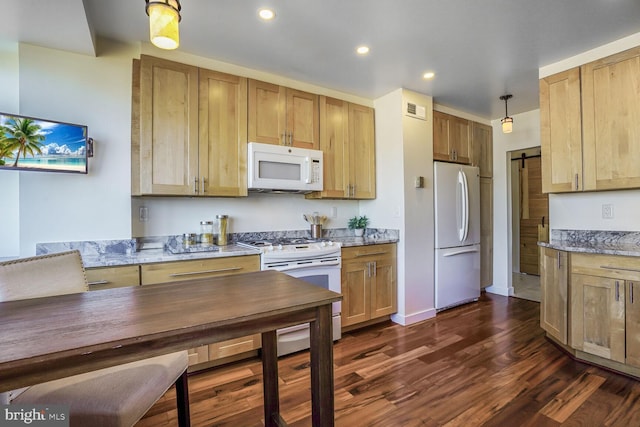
(116, 396)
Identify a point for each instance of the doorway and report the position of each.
(530, 213)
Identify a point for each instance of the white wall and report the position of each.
(404, 151)
(9, 180)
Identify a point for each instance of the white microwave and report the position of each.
(278, 168)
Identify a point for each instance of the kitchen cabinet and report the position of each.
(561, 132)
(604, 310)
(610, 121)
(212, 354)
(347, 140)
(451, 138)
(189, 132)
(482, 148)
(282, 116)
(589, 126)
(554, 287)
(486, 232)
(369, 286)
(112, 277)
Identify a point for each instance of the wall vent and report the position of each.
(415, 111)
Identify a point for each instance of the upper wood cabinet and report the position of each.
(451, 138)
(611, 121)
(347, 140)
(482, 148)
(192, 136)
(561, 132)
(590, 127)
(284, 116)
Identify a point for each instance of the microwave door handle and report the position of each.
(307, 164)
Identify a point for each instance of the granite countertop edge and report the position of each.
(605, 242)
(594, 248)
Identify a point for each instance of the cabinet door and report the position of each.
(168, 158)
(355, 292)
(198, 355)
(598, 316)
(197, 269)
(334, 143)
(460, 140)
(611, 122)
(561, 132)
(441, 136)
(113, 277)
(223, 134)
(554, 286)
(482, 148)
(267, 113)
(486, 232)
(384, 299)
(632, 314)
(302, 119)
(362, 152)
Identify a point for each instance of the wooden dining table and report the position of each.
(42, 339)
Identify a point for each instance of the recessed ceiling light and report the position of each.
(266, 14)
(428, 75)
(362, 50)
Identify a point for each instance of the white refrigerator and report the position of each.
(457, 234)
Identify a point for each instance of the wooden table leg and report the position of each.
(270, 379)
(322, 392)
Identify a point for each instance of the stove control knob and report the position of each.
(279, 247)
(330, 243)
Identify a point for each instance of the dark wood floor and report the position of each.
(483, 364)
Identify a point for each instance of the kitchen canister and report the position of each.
(223, 233)
(206, 232)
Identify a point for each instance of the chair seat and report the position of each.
(116, 396)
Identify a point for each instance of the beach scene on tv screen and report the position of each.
(28, 143)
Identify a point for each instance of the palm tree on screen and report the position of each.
(23, 135)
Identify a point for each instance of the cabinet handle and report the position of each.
(284, 138)
(617, 291)
(98, 282)
(191, 273)
(195, 185)
(558, 260)
(370, 254)
(609, 267)
(631, 292)
(204, 188)
(290, 139)
(375, 268)
(576, 181)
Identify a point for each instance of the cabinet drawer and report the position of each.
(198, 355)
(613, 266)
(198, 269)
(113, 277)
(362, 253)
(235, 346)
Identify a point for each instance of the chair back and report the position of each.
(42, 276)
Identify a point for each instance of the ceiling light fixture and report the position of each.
(266, 14)
(362, 50)
(164, 16)
(428, 75)
(507, 122)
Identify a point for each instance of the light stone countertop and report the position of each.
(623, 243)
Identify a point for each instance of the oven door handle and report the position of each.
(303, 266)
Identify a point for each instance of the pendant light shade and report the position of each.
(164, 16)
(507, 122)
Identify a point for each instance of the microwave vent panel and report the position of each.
(415, 111)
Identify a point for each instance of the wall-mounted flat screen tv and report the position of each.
(29, 143)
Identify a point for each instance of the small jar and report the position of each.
(206, 232)
(223, 224)
(189, 239)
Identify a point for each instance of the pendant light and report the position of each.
(507, 122)
(164, 16)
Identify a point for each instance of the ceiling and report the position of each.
(479, 50)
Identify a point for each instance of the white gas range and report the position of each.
(315, 261)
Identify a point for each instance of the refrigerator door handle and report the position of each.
(463, 231)
(460, 252)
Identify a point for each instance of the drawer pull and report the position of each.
(371, 253)
(608, 267)
(631, 292)
(617, 291)
(98, 282)
(191, 273)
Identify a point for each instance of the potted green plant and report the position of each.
(358, 224)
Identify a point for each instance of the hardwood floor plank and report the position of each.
(481, 364)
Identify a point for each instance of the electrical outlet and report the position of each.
(144, 214)
(334, 212)
(607, 211)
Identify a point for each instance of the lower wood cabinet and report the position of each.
(554, 286)
(221, 352)
(113, 277)
(369, 287)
